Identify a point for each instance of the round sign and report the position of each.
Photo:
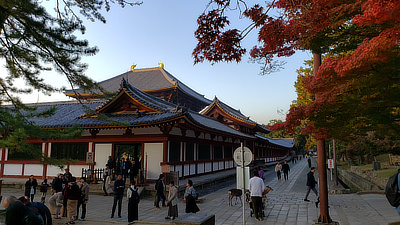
(238, 156)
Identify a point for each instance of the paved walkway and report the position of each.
(285, 206)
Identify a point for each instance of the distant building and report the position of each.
(152, 118)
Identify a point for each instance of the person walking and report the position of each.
(311, 182)
(160, 191)
(286, 170)
(83, 200)
(309, 161)
(278, 170)
(256, 188)
(133, 202)
(30, 188)
(119, 187)
(172, 201)
(190, 198)
(43, 189)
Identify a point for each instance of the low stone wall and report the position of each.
(370, 176)
(354, 180)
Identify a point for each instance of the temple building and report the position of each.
(152, 118)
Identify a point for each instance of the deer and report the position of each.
(233, 192)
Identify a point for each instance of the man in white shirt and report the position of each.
(256, 189)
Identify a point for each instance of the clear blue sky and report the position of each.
(163, 31)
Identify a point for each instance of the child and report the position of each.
(43, 189)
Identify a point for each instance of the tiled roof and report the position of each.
(213, 124)
(142, 97)
(145, 80)
(234, 113)
(68, 114)
(285, 142)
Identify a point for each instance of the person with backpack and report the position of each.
(392, 191)
(43, 189)
(133, 202)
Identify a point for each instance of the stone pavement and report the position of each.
(285, 206)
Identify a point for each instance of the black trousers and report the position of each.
(286, 175)
(117, 199)
(82, 203)
(257, 206)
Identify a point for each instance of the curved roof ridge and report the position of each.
(145, 98)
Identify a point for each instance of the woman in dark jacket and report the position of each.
(30, 187)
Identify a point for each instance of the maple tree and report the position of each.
(357, 85)
(33, 40)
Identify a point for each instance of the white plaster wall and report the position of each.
(150, 130)
(179, 170)
(186, 169)
(1, 153)
(176, 131)
(221, 165)
(226, 164)
(190, 133)
(33, 169)
(200, 168)
(6, 155)
(52, 171)
(102, 151)
(207, 167)
(13, 169)
(192, 169)
(154, 153)
(76, 170)
(111, 132)
(215, 166)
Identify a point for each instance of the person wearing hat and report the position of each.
(311, 183)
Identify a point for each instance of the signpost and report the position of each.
(89, 157)
(330, 166)
(243, 157)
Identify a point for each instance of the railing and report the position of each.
(92, 176)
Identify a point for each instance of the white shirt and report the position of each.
(256, 186)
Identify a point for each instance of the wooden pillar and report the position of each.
(46, 153)
(165, 151)
(3, 160)
(323, 187)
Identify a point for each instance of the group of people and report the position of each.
(279, 168)
(69, 195)
(125, 167)
(190, 197)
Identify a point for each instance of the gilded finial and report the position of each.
(133, 67)
(161, 65)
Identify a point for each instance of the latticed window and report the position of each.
(75, 151)
(174, 151)
(33, 152)
(204, 151)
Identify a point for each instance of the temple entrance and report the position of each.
(126, 156)
(128, 151)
